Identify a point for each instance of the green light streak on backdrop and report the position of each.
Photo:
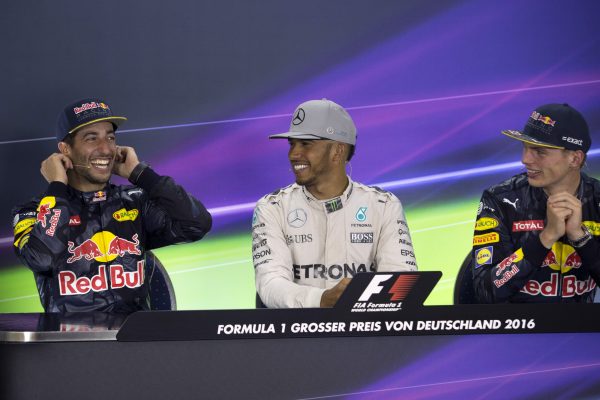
(217, 272)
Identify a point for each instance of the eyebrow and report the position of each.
(88, 133)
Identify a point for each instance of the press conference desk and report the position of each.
(443, 352)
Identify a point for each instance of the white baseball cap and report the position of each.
(320, 119)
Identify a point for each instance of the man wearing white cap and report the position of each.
(311, 237)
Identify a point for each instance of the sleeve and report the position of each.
(590, 257)
(171, 215)
(273, 263)
(500, 266)
(40, 229)
(395, 250)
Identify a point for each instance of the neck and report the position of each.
(330, 189)
(77, 182)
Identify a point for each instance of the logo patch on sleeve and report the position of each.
(485, 223)
(484, 256)
(492, 237)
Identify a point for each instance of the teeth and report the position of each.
(100, 163)
(299, 167)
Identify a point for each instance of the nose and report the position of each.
(294, 151)
(526, 156)
(106, 146)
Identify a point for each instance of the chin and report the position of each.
(536, 183)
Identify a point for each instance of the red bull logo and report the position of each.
(88, 250)
(573, 260)
(53, 222)
(550, 259)
(89, 106)
(508, 261)
(46, 204)
(546, 120)
(571, 286)
(120, 246)
(562, 257)
(103, 246)
(69, 284)
(43, 210)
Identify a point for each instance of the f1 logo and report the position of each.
(374, 286)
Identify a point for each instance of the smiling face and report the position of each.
(92, 151)
(554, 170)
(311, 160)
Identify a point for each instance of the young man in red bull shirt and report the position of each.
(537, 234)
(85, 238)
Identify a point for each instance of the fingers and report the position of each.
(344, 283)
(564, 199)
(331, 296)
(54, 168)
(66, 162)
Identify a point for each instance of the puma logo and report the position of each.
(514, 204)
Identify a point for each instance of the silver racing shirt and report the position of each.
(302, 246)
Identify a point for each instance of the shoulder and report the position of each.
(128, 192)
(514, 184)
(592, 183)
(280, 195)
(374, 193)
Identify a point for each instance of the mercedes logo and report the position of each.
(299, 117)
(296, 218)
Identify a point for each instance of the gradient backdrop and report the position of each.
(429, 84)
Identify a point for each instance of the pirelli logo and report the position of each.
(493, 237)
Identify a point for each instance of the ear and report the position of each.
(576, 159)
(64, 148)
(338, 151)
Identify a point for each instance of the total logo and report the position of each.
(562, 257)
(103, 246)
(529, 225)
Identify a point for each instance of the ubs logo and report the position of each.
(297, 218)
(299, 117)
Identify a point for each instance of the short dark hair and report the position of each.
(351, 152)
(69, 139)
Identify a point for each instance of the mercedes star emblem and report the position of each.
(297, 218)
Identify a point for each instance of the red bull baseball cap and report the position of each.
(558, 126)
(82, 113)
(320, 119)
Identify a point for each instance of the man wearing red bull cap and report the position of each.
(85, 238)
(311, 237)
(537, 234)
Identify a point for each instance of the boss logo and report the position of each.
(361, 237)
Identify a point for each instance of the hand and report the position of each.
(54, 168)
(573, 221)
(556, 217)
(331, 296)
(125, 161)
